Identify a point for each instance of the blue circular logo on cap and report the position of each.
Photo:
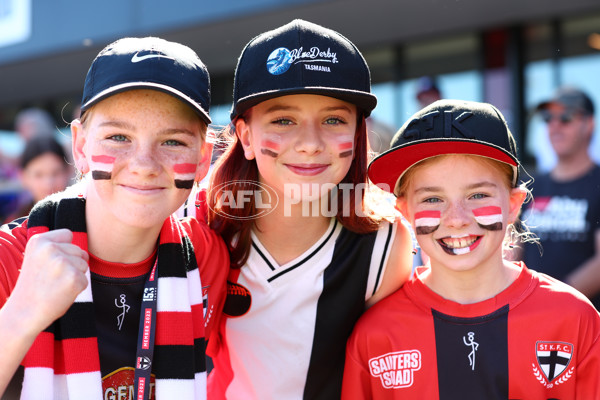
(279, 61)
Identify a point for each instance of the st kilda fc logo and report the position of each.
(553, 363)
(143, 363)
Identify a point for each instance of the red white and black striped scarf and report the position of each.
(63, 362)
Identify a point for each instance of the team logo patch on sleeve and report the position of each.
(238, 300)
(553, 359)
(396, 370)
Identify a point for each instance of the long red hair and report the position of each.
(235, 224)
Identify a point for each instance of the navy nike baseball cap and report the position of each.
(446, 127)
(149, 63)
(301, 58)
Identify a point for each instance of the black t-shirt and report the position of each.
(117, 307)
(565, 216)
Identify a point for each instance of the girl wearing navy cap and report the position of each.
(470, 324)
(288, 198)
(104, 292)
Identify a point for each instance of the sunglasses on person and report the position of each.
(563, 118)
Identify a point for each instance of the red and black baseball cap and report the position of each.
(446, 127)
(149, 63)
(301, 58)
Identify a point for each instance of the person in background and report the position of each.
(471, 325)
(34, 122)
(43, 171)
(565, 211)
(427, 91)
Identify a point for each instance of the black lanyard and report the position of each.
(145, 342)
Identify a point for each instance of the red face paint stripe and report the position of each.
(489, 218)
(187, 168)
(428, 214)
(103, 159)
(427, 222)
(271, 144)
(490, 210)
(346, 146)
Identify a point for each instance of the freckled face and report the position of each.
(301, 139)
(460, 208)
(142, 148)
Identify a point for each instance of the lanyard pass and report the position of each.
(145, 342)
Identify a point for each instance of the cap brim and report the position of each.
(147, 85)
(386, 170)
(364, 101)
(543, 105)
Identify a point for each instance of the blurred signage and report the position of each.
(15, 21)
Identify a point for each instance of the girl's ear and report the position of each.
(517, 197)
(78, 140)
(402, 206)
(205, 159)
(242, 130)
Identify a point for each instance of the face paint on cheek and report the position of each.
(489, 218)
(345, 145)
(427, 222)
(184, 175)
(271, 145)
(102, 167)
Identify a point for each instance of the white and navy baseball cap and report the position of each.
(446, 127)
(149, 63)
(301, 58)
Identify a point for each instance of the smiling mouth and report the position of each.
(459, 245)
(307, 169)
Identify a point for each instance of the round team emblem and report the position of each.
(238, 300)
(279, 61)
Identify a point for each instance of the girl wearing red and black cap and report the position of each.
(470, 324)
(288, 198)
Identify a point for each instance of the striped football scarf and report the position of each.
(63, 362)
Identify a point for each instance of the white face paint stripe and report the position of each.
(271, 145)
(427, 218)
(345, 145)
(489, 217)
(427, 221)
(102, 163)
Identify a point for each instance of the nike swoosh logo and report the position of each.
(137, 58)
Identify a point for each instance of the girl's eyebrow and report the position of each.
(482, 184)
(117, 124)
(476, 185)
(283, 107)
(428, 189)
(127, 126)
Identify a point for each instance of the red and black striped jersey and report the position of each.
(537, 339)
